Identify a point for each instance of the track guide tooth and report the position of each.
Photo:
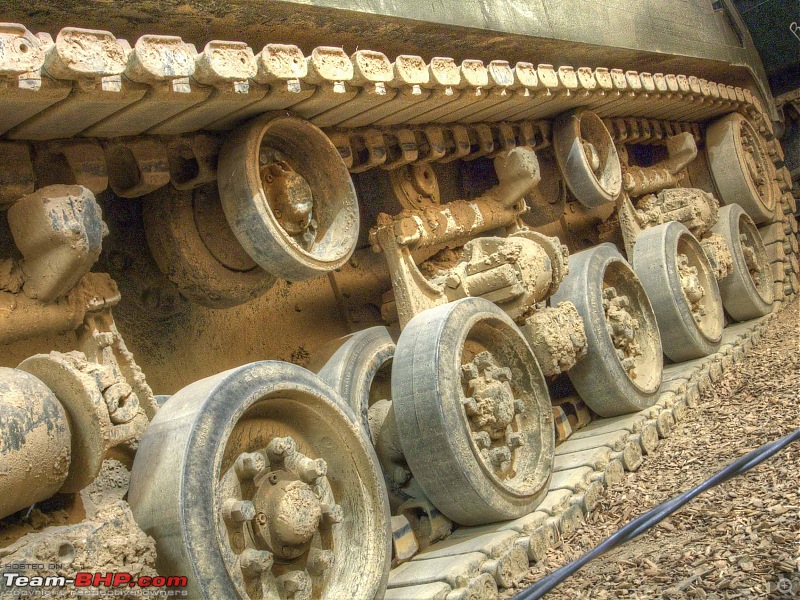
(496, 91)
(373, 74)
(444, 77)
(331, 71)
(282, 69)
(226, 68)
(550, 92)
(473, 84)
(25, 92)
(409, 76)
(164, 87)
(162, 66)
(520, 94)
(93, 61)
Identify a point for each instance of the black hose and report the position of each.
(653, 516)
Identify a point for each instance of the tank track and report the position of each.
(143, 107)
(87, 108)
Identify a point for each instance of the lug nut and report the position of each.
(309, 470)
(255, 562)
(319, 561)
(470, 406)
(499, 455)
(280, 448)
(296, 585)
(482, 439)
(238, 511)
(515, 440)
(400, 475)
(249, 464)
(332, 514)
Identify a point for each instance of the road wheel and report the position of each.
(473, 411)
(741, 167)
(258, 483)
(682, 289)
(193, 246)
(288, 196)
(621, 372)
(587, 157)
(747, 291)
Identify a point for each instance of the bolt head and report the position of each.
(238, 511)
(249, 464)
(255, 562)
(319, 561)
(312, 470)
(295, 582)
(482, 439)
(332, 514)
(400, 475)
(516, 440)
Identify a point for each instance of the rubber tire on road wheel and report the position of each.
(313, 156)
(741, 297)
(180, 253)
(568, 131)
(427, 397)
(180, 458)
(352, 364)
(599, 377)
(733, 181)
(655, 261)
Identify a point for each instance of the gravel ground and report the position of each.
(739, 540)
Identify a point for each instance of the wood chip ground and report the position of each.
(739, 540)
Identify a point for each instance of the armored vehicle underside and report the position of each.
(298, 313)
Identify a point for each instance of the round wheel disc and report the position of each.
(258, 483)
(359, 368)
(741, 167)
(193, 246)
(682, 289)
(747, 292)
(473, 411)
(288, 196)
(587, 157)
(621, 372)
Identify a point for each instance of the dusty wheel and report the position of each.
(360, 369)
(473, 412)
(741, 166)
(288, 196)
(193, 246)
(747, 292)
(587, 157)
(621, 371)
(258, 483)
(682, 289)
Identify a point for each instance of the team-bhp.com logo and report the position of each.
(92, 583)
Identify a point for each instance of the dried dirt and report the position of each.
(739, 540)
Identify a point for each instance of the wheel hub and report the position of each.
(592, 156)
(753, 159)
(290, 197)
(493, 411)
(749, 254)
(288, 514)
(623, 327)
(692, 288)
(281, 516)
